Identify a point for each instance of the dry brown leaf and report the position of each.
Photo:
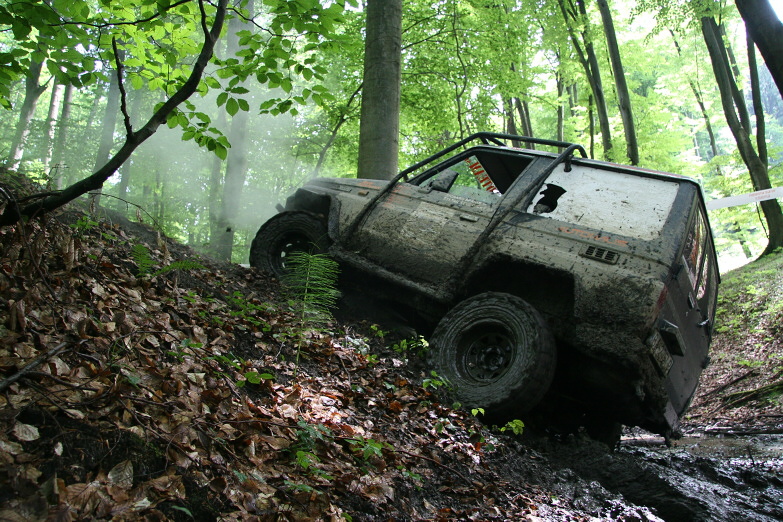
(122, 474)
(25, 432)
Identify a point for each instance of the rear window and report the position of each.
(612, 202)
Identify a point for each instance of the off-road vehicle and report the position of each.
(580, 288)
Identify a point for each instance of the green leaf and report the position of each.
(232, 106)
(220, 151)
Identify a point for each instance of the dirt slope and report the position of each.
(139, 381)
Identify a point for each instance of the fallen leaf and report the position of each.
(122, 474)
(25, 432)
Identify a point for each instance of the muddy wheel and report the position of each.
(284, 234)
(497, 353)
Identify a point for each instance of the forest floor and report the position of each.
(140, 381)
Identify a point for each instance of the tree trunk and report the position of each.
(32, 91)
(589, 63)
(511, 124)
(700, 101)
(380, 119)
(763, 25)
(759, 174)
(63, 126)
(109, 126)
(50, 124)
(758, 108)
(523, 110)
(125, 170)
(560, 109)
(236, 164)
(623, 96)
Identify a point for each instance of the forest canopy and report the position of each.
(279, 100)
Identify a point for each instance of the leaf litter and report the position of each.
(141, 393)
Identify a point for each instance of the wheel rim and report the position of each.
(287, 246)
(486, 354)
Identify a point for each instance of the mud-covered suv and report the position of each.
(582, 290)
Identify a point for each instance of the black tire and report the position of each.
(497, 353)
(283, 234)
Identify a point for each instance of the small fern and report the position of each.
(312, 284)
(182, 264)
(143, 259)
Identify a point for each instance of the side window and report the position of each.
(606, 201)
(694, 248)
(472, 181)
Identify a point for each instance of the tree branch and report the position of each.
(121, 86)
(134, 139)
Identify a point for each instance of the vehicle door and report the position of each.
(422, 229)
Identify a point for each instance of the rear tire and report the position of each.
(284, 234)
(497, 352)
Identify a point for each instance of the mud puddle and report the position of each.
(700, 477)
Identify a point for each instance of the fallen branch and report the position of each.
(740, 398)
(32, 365)
(722, 387)
(744, 431)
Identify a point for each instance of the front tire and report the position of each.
(497, 352)
(284, 234)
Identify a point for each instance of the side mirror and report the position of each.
(444, 181)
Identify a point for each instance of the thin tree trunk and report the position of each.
(589, 63)
(333, 135)
(758, 108)
(380, 118)
(511, 124)
(109, 126)
(560, 108)
(236, 164)
(759, 174)
(523, 111)
(50, 124)
(63, 128)
(32, 91)
(623, 96)
(216, 179)
(125, 170)
(700, 101)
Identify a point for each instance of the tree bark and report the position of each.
(758, 108)
(50, 127)
(63, 126)
(32, 91)
(379, 127)
(106, 141)
(757, 169)
(623, 96)
(41, 206)
(236, 164)
(763, 25)
(589, 63)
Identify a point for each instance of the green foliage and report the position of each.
(308, 435)
(434, 381)
(144, 263)
(368, 448)
(312, 284)
(515, 426)
(417, 345)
